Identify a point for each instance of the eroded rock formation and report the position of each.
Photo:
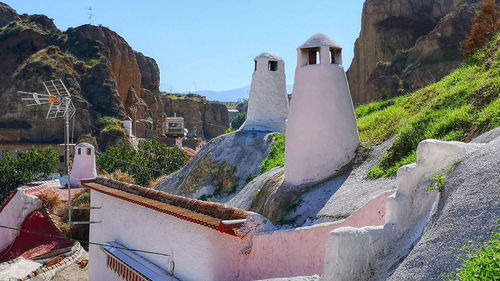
(105, 76)
(406, 44)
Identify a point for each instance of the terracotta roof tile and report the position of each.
(209, 214)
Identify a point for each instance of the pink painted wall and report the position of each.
(301, 251)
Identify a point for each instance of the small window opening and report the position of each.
(255, 69)
(334, 56)
(273, 66)
(79, 151)
(313, 56)
(89, 151)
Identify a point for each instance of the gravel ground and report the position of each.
(73, 272)
(467, 213)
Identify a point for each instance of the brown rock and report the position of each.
(150, 73)
(402, 34)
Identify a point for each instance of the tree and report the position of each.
(238, 120)
(485, 25)
(31, 166)
(150, 161)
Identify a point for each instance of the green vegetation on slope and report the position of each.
(483, 264)
(461, 106)
(275, 158)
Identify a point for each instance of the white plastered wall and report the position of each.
(268, 99)
(14, 213)
(84, 164)
(322, 133)
(198, 253)
(354, 253)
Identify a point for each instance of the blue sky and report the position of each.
(210, 45)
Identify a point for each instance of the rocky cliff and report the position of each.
(105, 76)
(406, 44)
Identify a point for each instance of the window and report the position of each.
(89, 151)
(255, 69)
(79, 151)
(312, 56)
(272, 65)
(335, 56)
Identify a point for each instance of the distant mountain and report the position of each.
(230, 95)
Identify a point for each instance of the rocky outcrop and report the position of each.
(150, 73)
(7, 14)
(101, 71)
(222, 167)
(205, 119)
(406, 44)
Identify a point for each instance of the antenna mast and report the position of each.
(61, 106)
(89, 11)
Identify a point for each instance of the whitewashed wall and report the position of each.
(268, 99)
(13, 215)
(354, 253)
(322, 133)
(199, 253)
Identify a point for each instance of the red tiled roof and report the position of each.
(209, 214)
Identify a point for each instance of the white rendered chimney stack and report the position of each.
(84, 166)
(322, 133)
(268, 99)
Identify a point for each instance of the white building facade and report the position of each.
(268, 99)
(322, 133)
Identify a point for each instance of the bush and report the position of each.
(50, 198)
(31, 166)
(150, 161)
(238, 120)
(484, 27)
(275, 158)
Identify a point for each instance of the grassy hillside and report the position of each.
(460, 107)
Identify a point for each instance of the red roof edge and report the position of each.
(229, 218)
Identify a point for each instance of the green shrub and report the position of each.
(483, 264)
(238, 120)
(31, 166)
(276, 157)
(150, 161)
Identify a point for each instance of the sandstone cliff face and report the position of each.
(406, 44)
(102, 72)
(206, 119)
(97, 65)
(150, 73)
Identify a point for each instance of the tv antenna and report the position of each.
(90, 14)
(60, 106)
